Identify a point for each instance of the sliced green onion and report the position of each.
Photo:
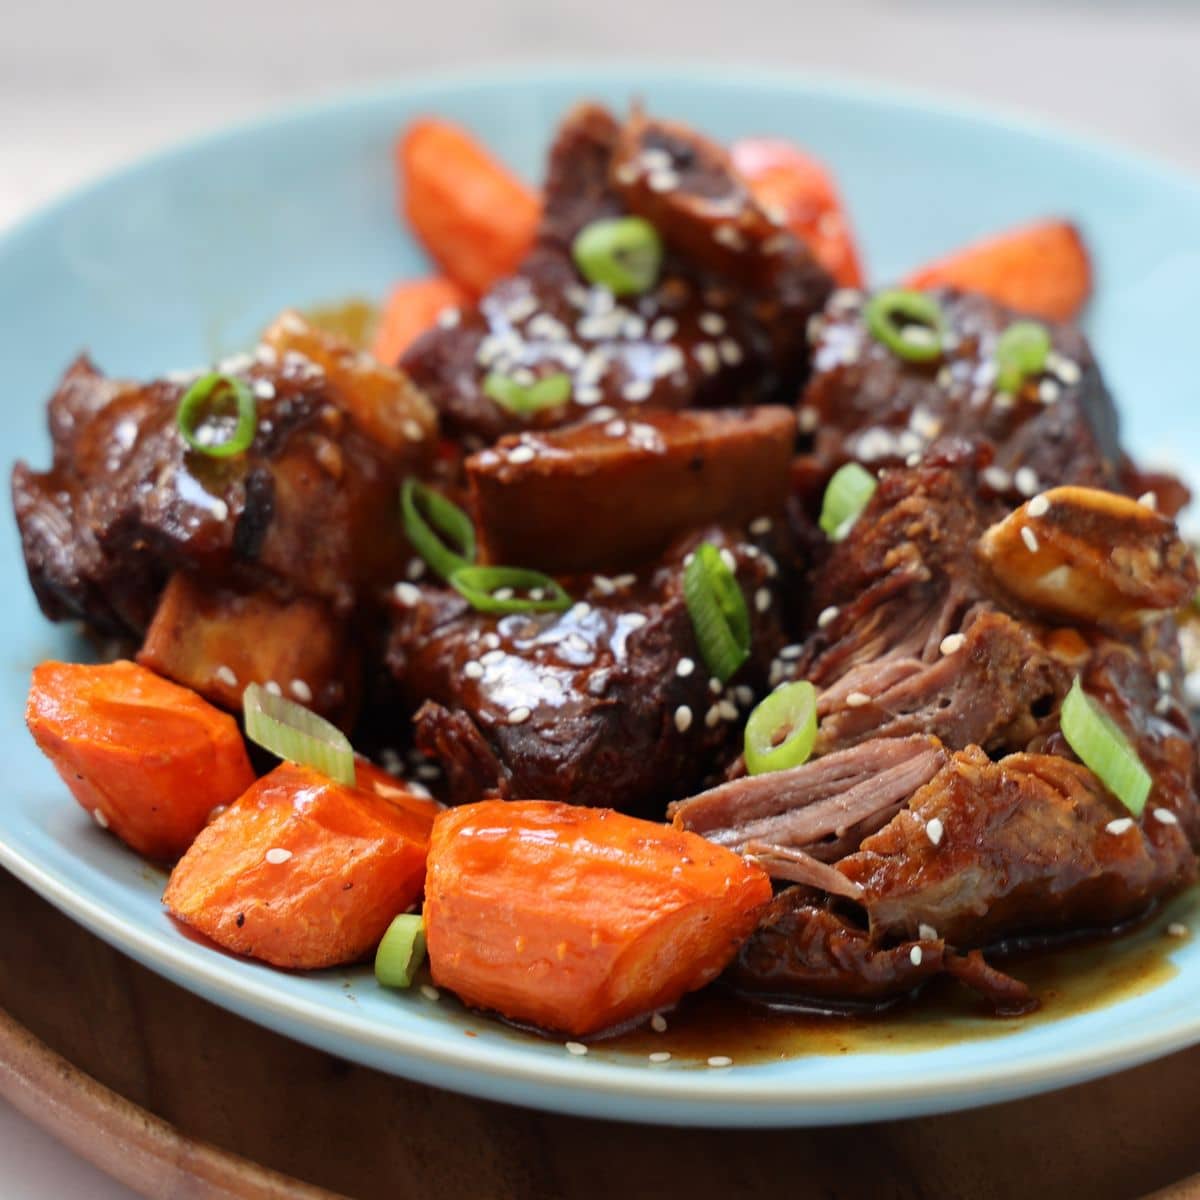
(291, 731)
(401, 952)
(791, 711)
(623, 254)
(909, 324)
(550, 391)
(1021, 351)
(718, 611)
(1104, 749)
(440, 516)
(217, 415)
(509, 590)
(851, 487)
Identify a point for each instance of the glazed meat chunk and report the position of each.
(724, 324)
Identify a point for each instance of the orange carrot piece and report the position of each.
(396, 791)
(579, 919)
(149, 759)
(475, 218)
(803, 191)
(1042, 269)
(410, 310)
(301, 872)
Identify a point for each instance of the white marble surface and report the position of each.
(84, 86)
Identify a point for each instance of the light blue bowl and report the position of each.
(188, 255)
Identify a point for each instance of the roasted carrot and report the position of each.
(579, 919)
(410, 310)
(804, 193)
(396, 791)
(149, 759)
(1042, 269)
(301, 872)
(473, 216)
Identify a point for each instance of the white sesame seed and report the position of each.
(1026, 481)
(634, 620)
(273, 687)
(494, 655)
(720, 1060)
(728, 710)
(1119, 826)
(708, 358)
(416, 568)
(807, 419)
(1039, 506)
(762, 599)
(1163, 679)
(227, 676)
(473, 669)
(624, 581)
(662, 181)
(576, 1048)
(760, 526)
(997, 479)
(633, 328)
(683, 718)
(660, 1056)
(1065, 368)
(580, 609)
(934, 830)
(715, 686)
(915, 955)
(684, 667)
(1177, 929)
(952, 643)
(1165, 816)
(927, 933)
(1163, 704)
(406, 594)
(430, 992)
(277, 855)
(944, 378)
(712, 716)
(1149, 500)
(1030, 539)
(503, 593)
(626, 173)
(745, 695)
(1049, 391)
(523, 453)
(301, 691)
(658, 1023)
(729, 236)
(519, 715)
(788, 653)
(664, 329)
(712, 323)
(857, 699)
(728, 558)
(448, 318)
(914, 459)
(825, 618)
(637, 390)
(730, 351)
(99, 817)
(492, 642)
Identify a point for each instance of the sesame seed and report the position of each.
(416, 568)
(857, 699)
(825, 618)
(219, 510)
(603, 585)
(944, 379)
(580, 609)
(492, 642)
(448, 318)
(430, 992)
(712, 716)
(576, 1048)
(662, 181)
(1119, 826)
(715, 686)
(624, 581)
(1163, 704)
(277, 855)
(519, 715)
(1049, 391)
(683, 718)
(473, 670)
(660, 1056)
(494, 655)
(406, 594)
(503, 593)
(1026, 481)
(997, 479)
(729, 236)
(670, 359)
(635, 620)
(927, 933)
(99, 817)
(730, 351)
(788, 653)
(915, 955)
(637, 390)
(728, 559)
(684, 667)
(762, 599)
(1165, 816)
(227, 676)
(1177, 929)
(745, 694)
(626, 173)
(712, 323)
(633, 328)
(720, 1060)
(815, 328)
(760, 526)
(664, 329)
(521, 454)
(1163, 679)
(934, 831)
(1149, 500)
(1030, 539)
(708, 358)
(952, 643)
(301, 691)
(658, 1023)
(728, 710)
(914, 459)
(273, 688)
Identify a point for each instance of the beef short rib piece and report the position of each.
(723, 326)
(612, 495)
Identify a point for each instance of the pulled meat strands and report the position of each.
(786, 862)
(1081, 554)
(635, 484)
(723, 325)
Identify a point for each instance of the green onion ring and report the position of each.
(846, 495)
(1104, 749)
(1021, 352)
(478, 586)
(910, 324)
(195, 409)
(441, 516)
(401, 951)
(522, 400)
(718, 610)
(623, 254)
(290, 731)
(791, 708)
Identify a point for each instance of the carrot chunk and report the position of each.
(1042, 269)
(147, 758)
(473, 216)
(396, 791)
(410, 310)
(301, 872)
(579, 919)
(804, 193)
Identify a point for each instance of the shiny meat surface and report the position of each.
(724, 325)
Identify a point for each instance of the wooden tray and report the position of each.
(221, 1095)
